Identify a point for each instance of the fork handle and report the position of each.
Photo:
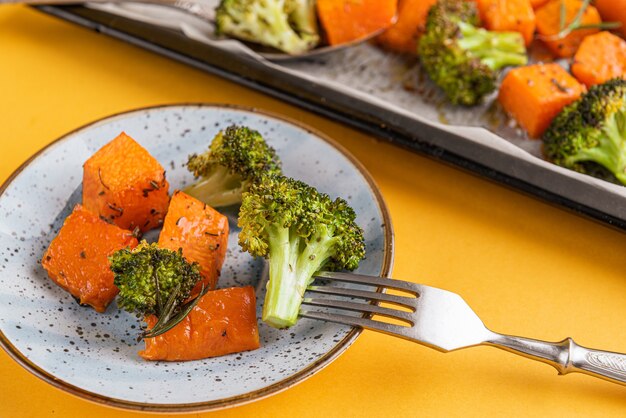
(566, 356)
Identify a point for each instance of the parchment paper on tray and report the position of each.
(369, 75)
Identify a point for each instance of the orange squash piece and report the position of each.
(223, 322)
(77, 258)
(537, 3)
(124, 184)
(508, 15)
(201, 232)
(350, 20)
(411, 24)
(549, 20)
(600, 58)
(535, 94)
(613, 11)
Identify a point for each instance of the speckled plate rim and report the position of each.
(306, 372)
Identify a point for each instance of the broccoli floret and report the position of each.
(155, 281)
(589, 135)
(236, 158)
(463, 59)
(287, 25)
(300, 231)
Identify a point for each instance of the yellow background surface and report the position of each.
(527, 268)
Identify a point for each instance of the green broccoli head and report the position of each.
(303, 17)
(300, 231)
(287, 25)
(463, 59)
(589, 135)
(268, 205)
(148, 275)
(237, 157)
(350, 248)
(155, 281)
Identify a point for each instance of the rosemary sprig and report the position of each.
(166, 321)
(562, 16)
(565, 29)
(168, 309)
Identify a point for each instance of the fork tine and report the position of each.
(392, 329)
(360, 307)
(370, 280)
(405, 301)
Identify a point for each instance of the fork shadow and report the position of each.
(549, 382)
(480, 364)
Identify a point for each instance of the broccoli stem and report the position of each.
(291, 271)
(494, 49)
(220, 188)
(611, 149)
(317, 251)
(282, 300)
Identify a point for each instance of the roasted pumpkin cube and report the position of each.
(411, 24)
(537, 3)
(124, 184)
(223, 322)
(535, 94)
(612, 11)
(600, 58)
(77, 258)
(508, 15)
(200, 231)
(548, 19)
(346, 21)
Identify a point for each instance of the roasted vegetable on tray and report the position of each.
(591, 132)
(465, 46)
(297, 26)
(563, 24)
(613, 11)
(346, 21)
(535, 94)
(508, 15)
(462, 58)
(287, 25)
(409, 27)
(599, 58)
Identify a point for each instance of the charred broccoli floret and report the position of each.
(237, 157)
(463, 59)
(300, 231)
(155, 281)
(287, 25)
(589, 135)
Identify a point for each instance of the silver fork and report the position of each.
(442, 320)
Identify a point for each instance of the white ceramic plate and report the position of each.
(95, 355)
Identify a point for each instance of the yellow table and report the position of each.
(526, 267)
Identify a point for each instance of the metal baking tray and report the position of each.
(469, 148)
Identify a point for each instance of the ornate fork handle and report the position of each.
(444, 321)
(566, 356)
